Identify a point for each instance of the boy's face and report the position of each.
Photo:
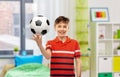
(62, 28)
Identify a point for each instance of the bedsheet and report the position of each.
(29, 70)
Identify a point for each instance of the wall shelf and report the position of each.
(105, 56)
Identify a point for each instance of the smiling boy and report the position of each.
(61, 51)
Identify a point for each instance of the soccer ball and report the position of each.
(39, 25)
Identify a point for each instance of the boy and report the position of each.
(61, 51)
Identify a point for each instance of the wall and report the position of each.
(113, 6)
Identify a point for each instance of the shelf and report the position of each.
(116, 55)
(104, 40)
(116, 40)
(105, 55)
(117, 72)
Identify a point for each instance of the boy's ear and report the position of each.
(68, 26)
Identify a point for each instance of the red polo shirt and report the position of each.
(62, 57)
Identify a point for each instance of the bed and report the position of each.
(27, 66)
(29, 70)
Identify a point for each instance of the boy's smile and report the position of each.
(62, 29)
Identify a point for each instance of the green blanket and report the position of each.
(29, 70)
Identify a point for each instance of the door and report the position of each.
(105, 64)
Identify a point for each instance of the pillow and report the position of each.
(19, 60)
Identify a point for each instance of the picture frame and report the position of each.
(99, 14)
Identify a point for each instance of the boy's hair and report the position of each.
(61, 19)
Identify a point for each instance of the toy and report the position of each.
(118, 33)
(101, 36)
(118, 50)
(39, 25)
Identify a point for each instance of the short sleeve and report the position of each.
(77, 50)
(48, 45)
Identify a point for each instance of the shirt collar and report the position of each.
(67, 39)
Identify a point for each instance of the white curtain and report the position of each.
(54, 8)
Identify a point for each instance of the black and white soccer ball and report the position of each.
(39, 25)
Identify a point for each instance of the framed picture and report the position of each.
(99, 14)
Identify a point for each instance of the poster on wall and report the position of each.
(99, 14)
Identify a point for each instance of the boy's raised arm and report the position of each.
(38, 39)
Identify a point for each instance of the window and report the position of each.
(16, 23)
(29, 43)
(10, 19)
(10, 24)
(28, 17)
(16, 18)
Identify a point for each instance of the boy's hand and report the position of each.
(37, 38)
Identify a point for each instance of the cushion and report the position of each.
(19, 60)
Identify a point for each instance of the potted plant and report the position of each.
(118, 50)
(16, 51)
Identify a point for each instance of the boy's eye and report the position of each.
(64, 26)
(59, 26)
